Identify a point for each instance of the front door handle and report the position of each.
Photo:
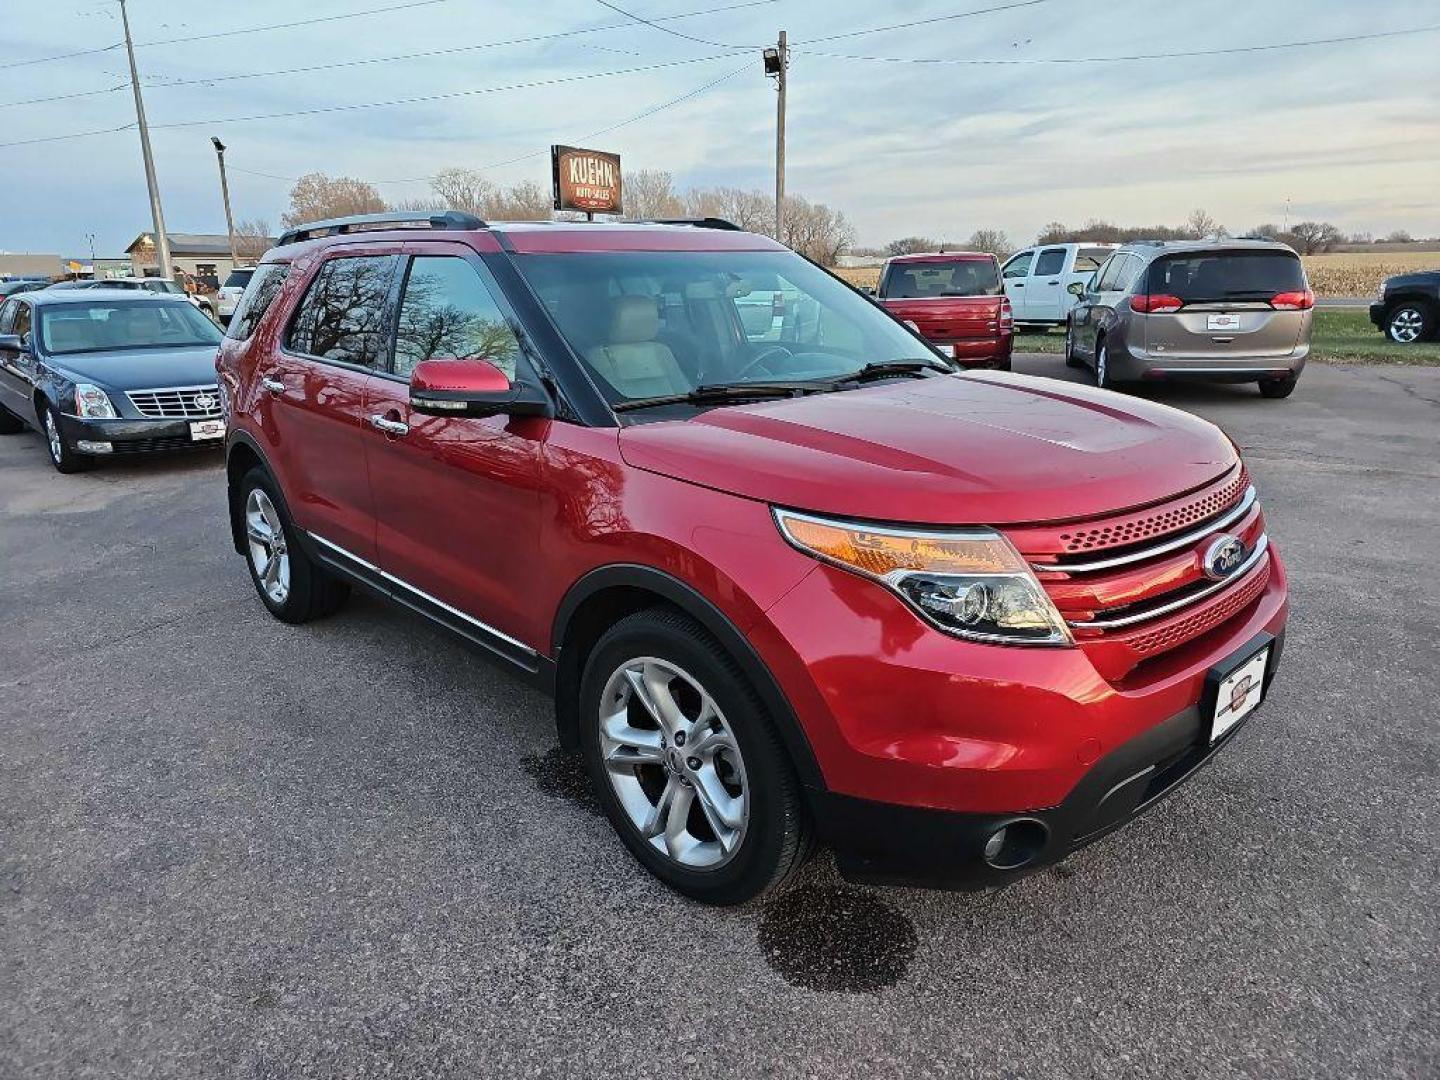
(275, 386)
(390, 427)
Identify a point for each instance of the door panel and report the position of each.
(1042, 287)
(456, 498)
(1014, 275)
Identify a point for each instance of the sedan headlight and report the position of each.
(970, 583)
(93, 403)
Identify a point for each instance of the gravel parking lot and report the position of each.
(234, 848)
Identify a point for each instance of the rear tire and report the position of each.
(1410, 321)
(1278, 388)
(724, 826)
(292, 586)
(1103, 379)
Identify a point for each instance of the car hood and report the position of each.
(963, 449)
(141, 369)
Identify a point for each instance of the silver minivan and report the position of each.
(1219, 310)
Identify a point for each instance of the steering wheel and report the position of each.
(753, 364)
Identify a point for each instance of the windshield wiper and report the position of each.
(720, 392)
(884, 369)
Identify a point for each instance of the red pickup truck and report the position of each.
(956, 302)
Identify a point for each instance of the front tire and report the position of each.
(65, 460)
(1071, 360)
(686, 764)
(1103, 379)
(1409, 322)
(292, 586)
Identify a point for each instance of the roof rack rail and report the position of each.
(697, 223)
(447, 219)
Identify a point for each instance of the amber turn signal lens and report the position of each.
(879, 552)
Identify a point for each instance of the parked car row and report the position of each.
(789, 575)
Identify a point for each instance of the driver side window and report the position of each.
(447, 313)
(1019, 265)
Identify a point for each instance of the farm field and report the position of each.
(1340, 336)
(1341, 273)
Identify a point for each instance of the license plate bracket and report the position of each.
(1236, 687)
(1222, 321)
(204, 430)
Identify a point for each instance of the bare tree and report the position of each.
(1400, 236)
(753, 211)
(817, 231)
(316, 196)
(525, 201)
(909, 245)
(463, 189)
(1200, 225)
(1312, 237)
(252, 238)
(650, 194)
(992, 240)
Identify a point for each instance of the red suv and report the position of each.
(785, 583)
(955, 300)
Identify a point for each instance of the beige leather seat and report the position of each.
(632, 360)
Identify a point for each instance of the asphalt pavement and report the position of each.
(232, 848)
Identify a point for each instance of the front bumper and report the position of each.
(888, 844)
(131, 436)
(1377, 313)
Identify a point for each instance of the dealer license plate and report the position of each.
(200, 430)
(1222, 320)
(1239, 693)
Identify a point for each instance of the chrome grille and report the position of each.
(178, 403)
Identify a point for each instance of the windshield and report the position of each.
(123, 324)
(961, 277)
(1226, 275)
(649, 324)
(238, 279)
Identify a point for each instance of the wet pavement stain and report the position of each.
(836, 939)
(561, 775)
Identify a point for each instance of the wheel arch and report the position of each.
(609, 593)
(242, 455)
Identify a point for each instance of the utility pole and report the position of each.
(157, 216)
(777, 62)
(225, 194)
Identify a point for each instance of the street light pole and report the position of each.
(225, 194)
(157, 215)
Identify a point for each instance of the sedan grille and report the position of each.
(179, 403)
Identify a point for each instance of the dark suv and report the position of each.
(787, 577)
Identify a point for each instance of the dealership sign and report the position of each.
(586, 180)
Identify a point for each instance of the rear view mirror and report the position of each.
(473, 387)
(1076, 288)
(12, 343)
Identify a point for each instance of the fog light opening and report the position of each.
(1016, 844)
(86, 446)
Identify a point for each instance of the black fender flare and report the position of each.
(239, 438)
(718, 624)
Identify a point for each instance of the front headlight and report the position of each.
(93, 403)
(1380, 291)
(967, 582)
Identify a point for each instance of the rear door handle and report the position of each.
(275, 386)
(390, 427)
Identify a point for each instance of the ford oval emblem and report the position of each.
(1223, 557)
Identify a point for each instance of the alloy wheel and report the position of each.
(673, 763)
(265, 538)
(1406, 325)
(1102, 366)
(52, 436)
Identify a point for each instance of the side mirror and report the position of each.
(1076, 288)
(12, 343)
(473, 387)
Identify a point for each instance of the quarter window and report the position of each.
(343, 315)
(447, 313)
(1109, 273)
(259, 295)
(1049, 262)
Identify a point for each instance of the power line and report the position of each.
(291, 25)
(1020, 61)
(71, 135)
(61, 56)
(642, 115)
(929, 21)
(64, 97)
(452, 50)
(449, 95)
(654, 24)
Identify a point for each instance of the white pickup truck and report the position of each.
(1037, 279)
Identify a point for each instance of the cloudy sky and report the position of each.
(984, 132)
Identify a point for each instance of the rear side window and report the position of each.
(1050, 261)
(962, 277)
(447, 313)
(1088, 259)
(260, 293)
(343, 314)
(1226, 275)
